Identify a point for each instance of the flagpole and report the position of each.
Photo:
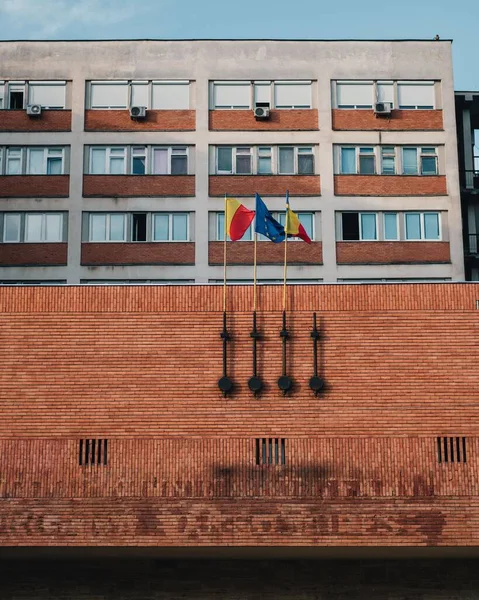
(224, 260)
(254, 271)
(285, 270)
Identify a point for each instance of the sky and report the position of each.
(282, 19)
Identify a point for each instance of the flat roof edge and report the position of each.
(448, 40)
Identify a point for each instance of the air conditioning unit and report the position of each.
(383, 108)
(261, 112)
(138, 112)
(34, 110)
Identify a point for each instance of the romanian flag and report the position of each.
(238, 219)
(292, 226)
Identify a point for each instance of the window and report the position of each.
(138, 160)
(419, 160)
(359, 226)
(14, 161)
(220, 232)
(170, 227)
(367, 161)
(170, 161)
(243, 161)
(170, 95)
(45, 161)
(417, 95)
(305, 161)
(33, 227)
(390, 226)
(292, 94)
(16, 96)
(422, 226)
(109, 94)
(93, 453)
(239, 94)
(354, 94)
(264, 160)
(138, 227)
(11, 227)
(286, 160)
(295, 160)
(348, 161)
(43, 227)
(232, 95)
(388, 160)
(107, 161)
(305, 218)
(49, 94)
(385, 92)
(270, 451)
(2, 94)
(107, 227)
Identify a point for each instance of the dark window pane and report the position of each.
(179, 165)
(305, 164)
(139, 165)
(350, 226)
(366, 165)
(243, 165)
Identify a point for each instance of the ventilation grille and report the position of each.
(92, 452)
(270, 451)
(451, 449)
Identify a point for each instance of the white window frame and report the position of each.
(295, 106)
(16, 86)
(398, 233)
(8, 149)
(108, 159)
(171, 151)
(423, 83)
(170, 226)
(296, 149)
(145, 154)
(422, 226)
(214, 106)
(108, 228)
(165, 82)
(360, 227)
(109, 106)
(392, 154)
(19, 240)
(419, 155)
(48, 152)
(43, 228)
(355, 106)
(2, 95)
(33, 84)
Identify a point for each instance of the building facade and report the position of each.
(115, 158)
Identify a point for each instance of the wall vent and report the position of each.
(451, 449)
(270, 451)
(92, 452)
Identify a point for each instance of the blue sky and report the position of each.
(316, 19)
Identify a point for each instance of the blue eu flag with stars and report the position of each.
(265, 224)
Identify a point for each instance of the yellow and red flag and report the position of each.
(238, 219)
(292, 225)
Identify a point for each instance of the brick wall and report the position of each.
(265, 185)
(138, 185)
(390, 185)
(139, 366)
(392, 253)
(280, 120)
(138, 253)
(241, 253)
(49, 120)
(156, 120)
(33, 254)
(400, 120)
(34, 186)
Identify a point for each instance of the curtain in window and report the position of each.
(97, 228)
(160, 161)
(409, 161)
(225, 160)
(368, 227)
(180, 227)
(286, 160)
(348, 160)
(11, 228)
(53, 228)
(33, 228)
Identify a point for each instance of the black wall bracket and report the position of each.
(225, 383)
(255, 383)
(285, 383)
(316, 383)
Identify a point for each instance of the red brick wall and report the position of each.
(139, 366)
(138, 253)
(33, 254)
(34, 186)
(400, 120)
(138, 185)
(241, 253)
(49, 120)
(392, 253)
(390, 185)
(265, 185)
(156, 120)
(280, 120)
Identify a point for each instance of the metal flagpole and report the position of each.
(285, 266)
(224, 260)
(254, 271)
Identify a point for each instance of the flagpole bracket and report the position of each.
(316, 383)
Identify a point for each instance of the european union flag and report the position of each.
(266, 225)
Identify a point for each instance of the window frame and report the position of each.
(281, 216)
(300, 82)
(22, 226)
(423, 83)
(46, 156)
(170, 226)
(422, 226)
(108, 227)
